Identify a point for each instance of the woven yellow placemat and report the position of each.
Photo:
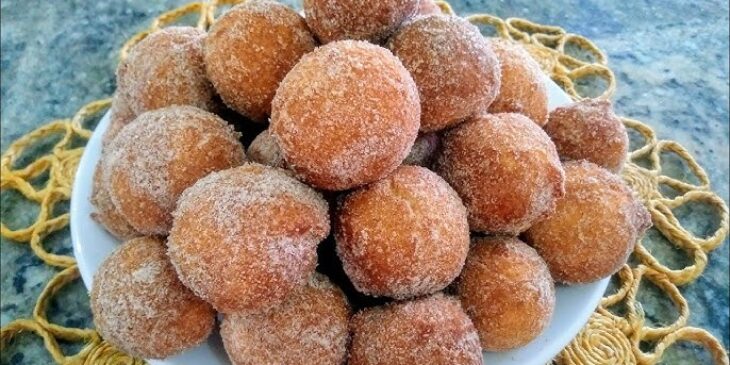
(607, 338)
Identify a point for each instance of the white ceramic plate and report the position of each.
(92, 244)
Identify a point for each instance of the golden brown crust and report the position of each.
(522, 87)
(456, 71)
(507, 291)
(106, 213)
(141, 307)
(589, 130)
(308, 328)
(346, 115)
(370, 21)
(594, 228)
(120, 116)
(403, 236)
(505, 169)
(266, 151)
(432, 330)
(250, 49)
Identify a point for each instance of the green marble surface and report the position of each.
(670, 57)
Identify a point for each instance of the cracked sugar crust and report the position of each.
(419, 252)
(166, 68)
(374, 21)
(250, 49)
(522, 87)
(507, 291)
(161, 153)
(346, 115)
(505, 169)
(594, 228)
(432, 330)
(245, 238)
(309, 328)
(141, 307)
(454, 66)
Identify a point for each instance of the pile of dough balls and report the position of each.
(372, 182)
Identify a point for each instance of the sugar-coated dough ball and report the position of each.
(507, 291)
(428, 7)
(140, 306)
(594, 228)
(432, 330)
(589, 130)
(522, 88)
(250, 49)
(160, 154)
(363, 20)
(403, 236)
(346, 115)
(105, 212)
(506, 170)
(423, 150)
(119, 116)
(245, 238)
(456, 71)
(266, 151)
(308, 328)
(166, 68)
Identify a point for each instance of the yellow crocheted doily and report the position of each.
(607, 338)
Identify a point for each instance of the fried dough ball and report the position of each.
(456, 71)
(507, 291)
(245, 238)
(370, 21)
(266, 151)
(106, 213)
(423, 150)
(506, 170)
(403, 236)
(140, 306)
(432, 330)
(594, 228)
(308, 328)
(160, 154)
(522, 88)
(346, 115)
(166, 68)
(428, 7)
(119, 116)
(589, 130)
(250, 49)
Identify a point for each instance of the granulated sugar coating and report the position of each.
(428, 7)
(244, 238)
(506, 170)
(507, 291)
(250, 49)
(403, 236)
(166, 68)
(594, 228)
(456, 71)
(432, 330)
(161, 153)
(120, 116)
(265, 151)
(589, 130)
(423, 150)
(522, 88)
(346, 115)
(106, 213)
(374, 21)
(308, 328)
(140, 306)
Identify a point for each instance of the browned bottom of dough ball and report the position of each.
(140, 306)
(106, 213)
(507, 291)
(432, 330)
(309, 328)
(244, 238)
(523, 88)
(266, 151)
(589, 130)
(506, 170)
(594, 228)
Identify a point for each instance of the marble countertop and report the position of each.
(670, 57)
